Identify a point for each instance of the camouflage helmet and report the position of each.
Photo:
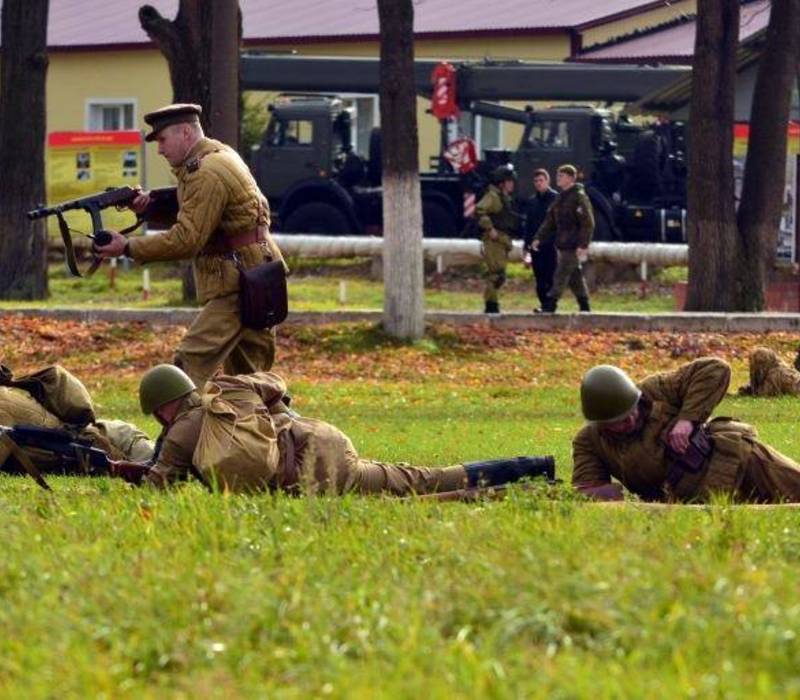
(608, 394)
(161, 384)
(502, 173)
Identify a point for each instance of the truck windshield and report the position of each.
(290, 132)
(550, 133)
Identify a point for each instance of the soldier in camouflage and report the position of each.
(770, 375)
(570, 220)
(498, 221)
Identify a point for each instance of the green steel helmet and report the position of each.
(608, 394)
(502, 173)
(161, 384)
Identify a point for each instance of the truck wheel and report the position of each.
(317, 217)
(437, 222)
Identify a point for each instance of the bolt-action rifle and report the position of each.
(162, 211)
(75, 456)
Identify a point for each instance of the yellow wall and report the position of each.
(668, 12)
(75, 78)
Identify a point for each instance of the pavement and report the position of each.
(672, 322)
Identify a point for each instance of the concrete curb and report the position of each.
(671, 322)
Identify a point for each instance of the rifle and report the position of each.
(162, 210)
(76, 456)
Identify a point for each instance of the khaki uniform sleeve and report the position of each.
(549, 226)
(694, 389)
(203, 201)
(585, 215)
(490, 203)
(175, 459)
(588, 467)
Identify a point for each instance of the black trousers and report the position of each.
(544, 265)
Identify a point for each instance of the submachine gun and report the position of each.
(74, 456)
(162, 211)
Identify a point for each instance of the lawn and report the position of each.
(337, 284)
(108, 591)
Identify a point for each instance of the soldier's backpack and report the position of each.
(57, 390)
(238, 447)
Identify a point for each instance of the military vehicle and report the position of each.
(317, 183)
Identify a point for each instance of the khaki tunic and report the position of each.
(218, 197)
(304, 454)
(495, 210)
(739, 465)
(770, 376)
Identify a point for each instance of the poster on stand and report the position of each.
(80, 163)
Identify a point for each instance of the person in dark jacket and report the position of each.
(543, 261)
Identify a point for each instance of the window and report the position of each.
(487, 132)
(295, 132)
(110, 115)
(365, 117)
(550, 133)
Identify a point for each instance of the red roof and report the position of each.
(96, 23)
(674, 43)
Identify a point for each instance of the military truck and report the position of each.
(317, 183)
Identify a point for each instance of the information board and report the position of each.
(80, 163)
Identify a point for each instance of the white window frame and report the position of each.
(106, 102)
(478, 127)
(376, 113)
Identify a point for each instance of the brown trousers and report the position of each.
(403, 480)
(218, 339)
(769, 477)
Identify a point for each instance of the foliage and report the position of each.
(115, 592)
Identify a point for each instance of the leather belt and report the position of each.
(224, 244)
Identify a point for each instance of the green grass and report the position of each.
(107, 591)
(317, 286)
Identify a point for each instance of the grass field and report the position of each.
(108, 591)
(331, 285)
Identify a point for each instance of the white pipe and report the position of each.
(314, 246)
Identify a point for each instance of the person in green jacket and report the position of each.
(570, 220)
(498, 221)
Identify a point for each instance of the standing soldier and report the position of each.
(223, 223)
(656, 439)
(498, 221)
(570, 221)
(544, 260)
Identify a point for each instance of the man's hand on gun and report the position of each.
(117, 245)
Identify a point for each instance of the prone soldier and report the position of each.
(498, 221)
(570, 221)
(222, 225)
(656, 440)
(241, 435)
(770, 375)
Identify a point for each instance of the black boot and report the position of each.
(583, 304)
(797, 360)
(492, 307)
(494, 472)
(549, 306)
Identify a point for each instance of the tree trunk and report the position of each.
(713, 238)
(403, 305)
(23, 244)
(761, 202)
(201, 46)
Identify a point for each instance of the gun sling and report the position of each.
(24, 461)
